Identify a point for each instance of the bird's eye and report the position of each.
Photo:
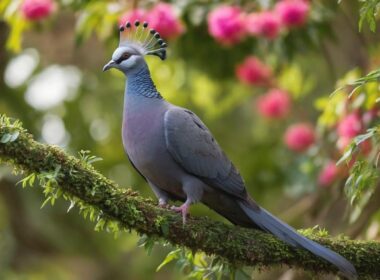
(123, 57)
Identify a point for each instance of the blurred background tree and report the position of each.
(259, 73)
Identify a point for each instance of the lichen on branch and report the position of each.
(74, 179)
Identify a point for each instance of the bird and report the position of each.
(177, 155)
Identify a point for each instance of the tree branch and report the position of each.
(240, 246)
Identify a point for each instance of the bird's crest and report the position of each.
(146, 41)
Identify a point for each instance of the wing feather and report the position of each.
(193, 147)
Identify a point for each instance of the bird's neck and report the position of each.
(140, 83)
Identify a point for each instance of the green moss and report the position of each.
(115, 208)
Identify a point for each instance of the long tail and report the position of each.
(267, 222)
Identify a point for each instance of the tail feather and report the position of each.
(267, 222)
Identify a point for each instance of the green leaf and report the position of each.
(173, 255)
(52, 201)
(368, 13)
(146, 242)
(86, 158)
(362, 180)
(28, 180)
(3, 5)
(18, 26)
(72, 204)
(14, 136)
(347, 154)
(46, 201)
(363, 137)
(100, 224)
(6, 137)
(93, 159)
(165, 228)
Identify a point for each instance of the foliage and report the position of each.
(368, 12)
(372, 77)
(200, 266)
(364, 172)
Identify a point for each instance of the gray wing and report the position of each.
(193, 147)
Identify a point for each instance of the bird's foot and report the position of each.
(183, 209)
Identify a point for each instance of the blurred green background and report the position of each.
(52, 80)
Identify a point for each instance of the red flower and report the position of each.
(274, 104)
(163, 19)
(266, 24)
(36, 9)
(132, 16)
(226, 24)
(299, 137)
(292, 12)
(328, 174)
(350, 126)
(253, 72)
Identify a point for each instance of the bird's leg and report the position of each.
(162, 202)
(161, 195)
(193, 189)
(183, 209)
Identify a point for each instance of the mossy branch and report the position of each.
(79, 181)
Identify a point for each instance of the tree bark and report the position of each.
(78, 180)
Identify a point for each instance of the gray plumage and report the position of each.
(180, 159)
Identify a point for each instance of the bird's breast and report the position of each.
(143, 131)
(144, 141)
(141, 136)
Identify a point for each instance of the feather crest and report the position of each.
(140, 37)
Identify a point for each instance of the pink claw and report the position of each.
(184, 209)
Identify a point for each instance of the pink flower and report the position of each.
(253, 72)
(350, 126)
(163, 19)
(274, 104)
(36, 9)
(226, 24)
(132, 16)
(328, 174)
(292, 12)
(266, 24)
(299, 137)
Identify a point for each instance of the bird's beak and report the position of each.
(109, 65)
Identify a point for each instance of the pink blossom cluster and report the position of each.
(299, 137)
(252, 71)
(161, 17)
(275, 104)
(229, 24)
(348, 127)
(328, 174)
(35, 10)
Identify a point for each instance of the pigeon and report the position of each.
(177, 154)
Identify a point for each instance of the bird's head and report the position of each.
(136, 41)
